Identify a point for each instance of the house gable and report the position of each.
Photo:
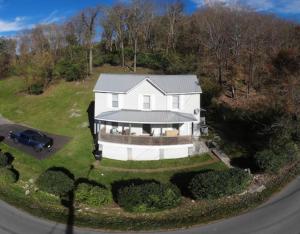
(146, 81)
(134, 97)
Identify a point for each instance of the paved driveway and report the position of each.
(6, 127)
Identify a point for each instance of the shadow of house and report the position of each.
(91, 119)
(91, 116)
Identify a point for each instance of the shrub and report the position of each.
(36, 88)
(55, 182)
(271, 161)
(215, 184)
(267, 161)
(8, 176)
(92, 195)
(150, 196)
(112, 59)
(4, 160)
(70, 70)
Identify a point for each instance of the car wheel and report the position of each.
(16, 141)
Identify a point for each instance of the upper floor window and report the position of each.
(175, 102)
(146, 102)
(115, 100)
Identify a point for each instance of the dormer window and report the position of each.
(175, 102)
(146, 102)
(115, 100)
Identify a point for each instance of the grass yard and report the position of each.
(163, 164)
(62, 109)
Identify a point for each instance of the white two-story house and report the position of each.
(147, 117)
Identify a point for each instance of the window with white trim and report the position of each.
(146, 102)
(115, 100)
(175, 102)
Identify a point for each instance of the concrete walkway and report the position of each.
(4, 121)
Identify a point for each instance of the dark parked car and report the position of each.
(37, 140)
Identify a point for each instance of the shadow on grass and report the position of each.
(9, 157)
(88, 182)
(182, 180)
(68, 200)
(244, 163)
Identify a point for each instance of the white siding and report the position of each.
(143, 153)
(134, 98)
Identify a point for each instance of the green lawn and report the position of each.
(164, 164)
(53, 112)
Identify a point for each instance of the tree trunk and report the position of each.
(91, 60)
(123, 56)
(220, 75)
(135, 52)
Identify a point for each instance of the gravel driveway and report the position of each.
(6, 126)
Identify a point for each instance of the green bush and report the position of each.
(216, 184)
(150, 196)
(55, 182)
(8, 176)
(92, 195)
(271, 161)
(69, 70)
(4, 160)
(36, 88)
(113, 59)
(154, 61)
(98, 61)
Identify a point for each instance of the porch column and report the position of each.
(129, 128)
(99, 127)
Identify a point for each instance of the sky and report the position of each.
(17, 15)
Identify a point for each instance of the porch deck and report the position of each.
(144, 140)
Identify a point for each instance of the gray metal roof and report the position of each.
(137, 116)
(169, 84)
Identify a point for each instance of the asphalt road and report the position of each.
(280, 215)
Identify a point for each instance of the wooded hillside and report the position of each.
(245, 56)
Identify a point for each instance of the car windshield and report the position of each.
(33, 134)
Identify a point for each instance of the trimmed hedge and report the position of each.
(92, 195)
(8, 176)
(55, 182)
(150, 196)
(216, 184)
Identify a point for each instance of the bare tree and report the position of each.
(88, 20)
(174, 11)
(117, 16)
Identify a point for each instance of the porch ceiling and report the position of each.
(151, 117)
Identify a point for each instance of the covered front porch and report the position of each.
(146, 127)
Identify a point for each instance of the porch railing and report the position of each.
(144, 140)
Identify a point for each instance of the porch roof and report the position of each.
(138, 116)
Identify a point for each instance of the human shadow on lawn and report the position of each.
(67, 200)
